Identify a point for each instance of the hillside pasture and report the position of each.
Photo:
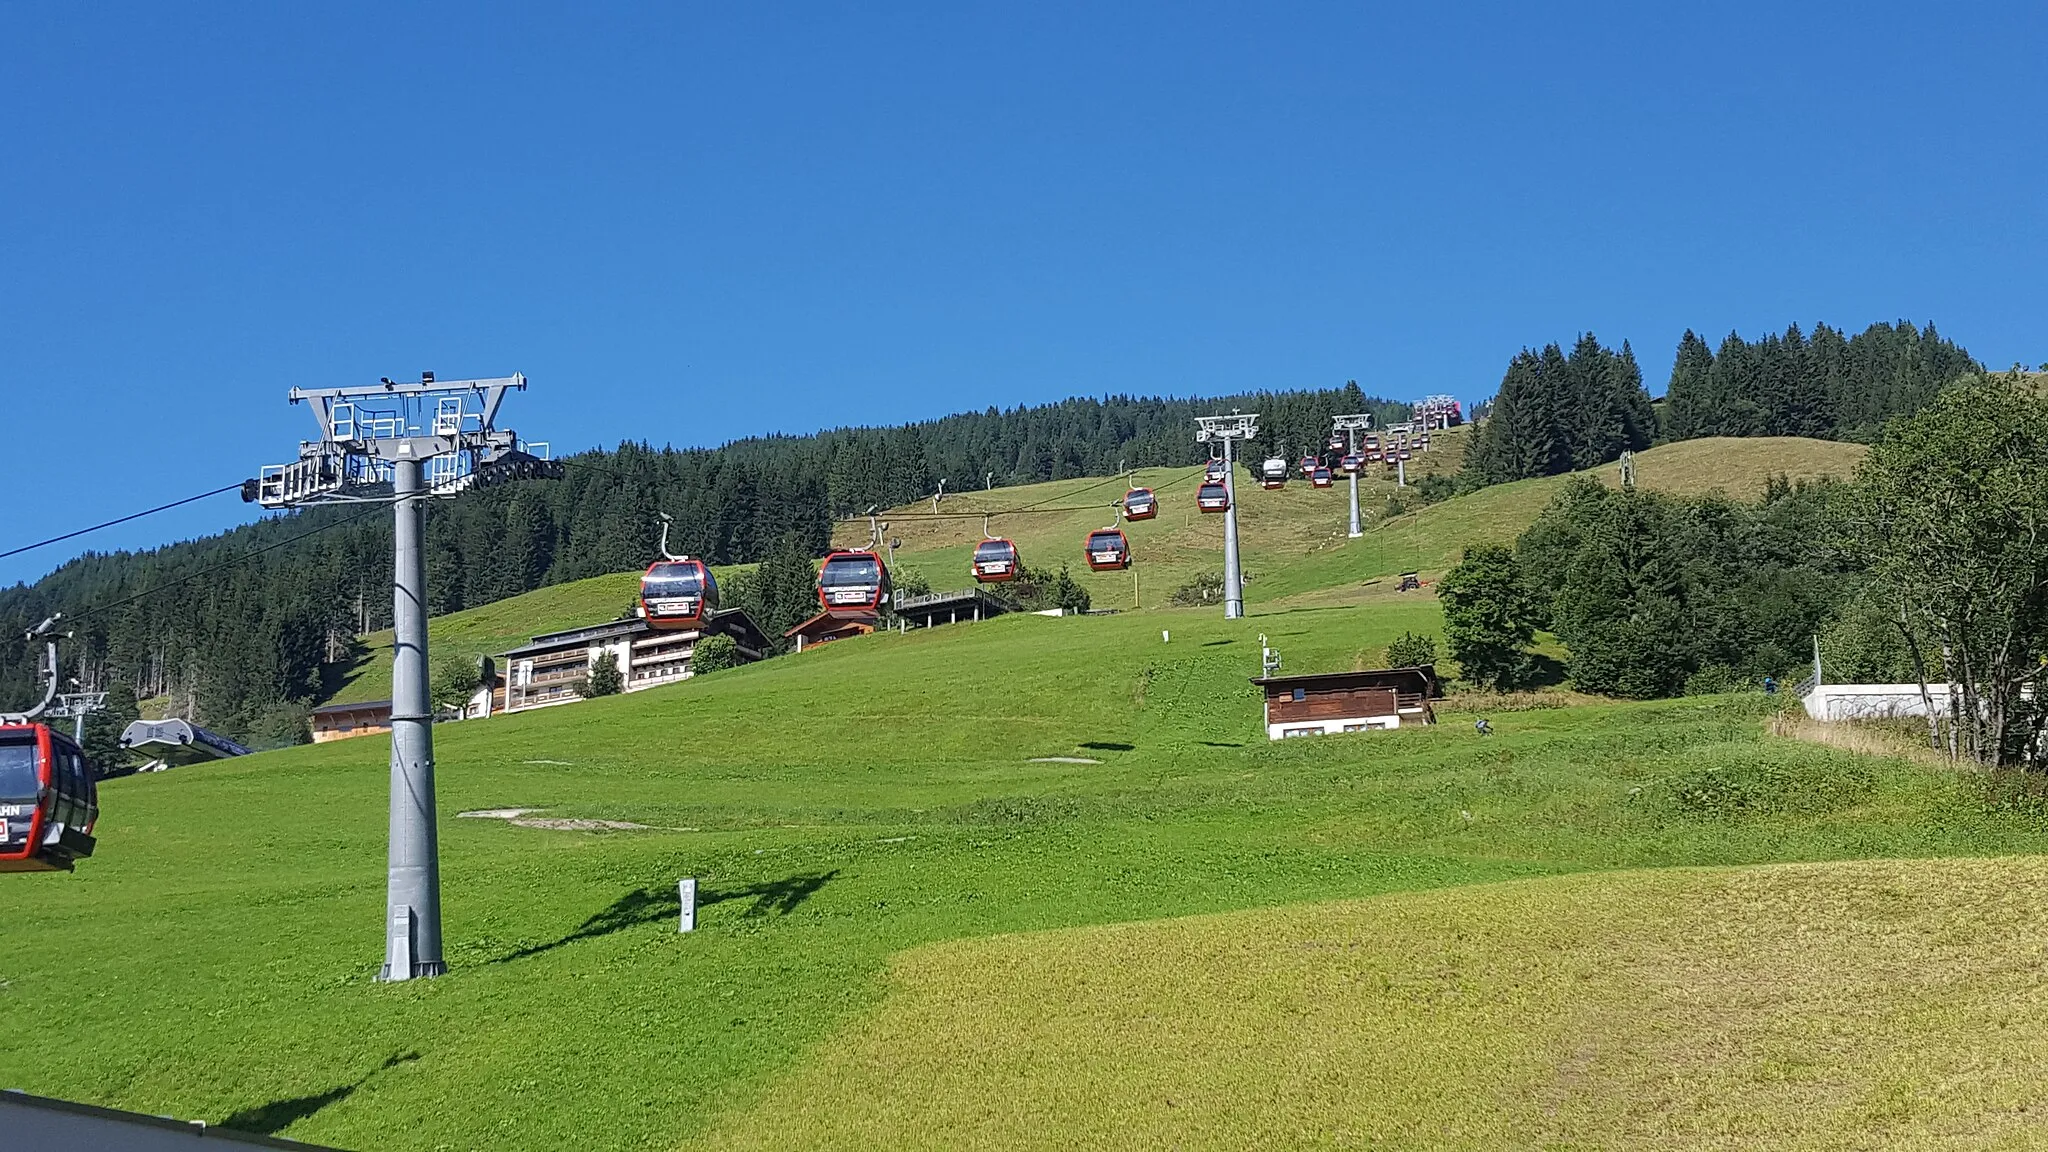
(841, 808)
(1295, 549)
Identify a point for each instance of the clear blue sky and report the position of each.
(691, 222)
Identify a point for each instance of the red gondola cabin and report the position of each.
(852, 584)
(996, 561)
(1321, 478)
(1213, 497)
(1107, 550)
(48, 800)
(1352, 463)
(677, 594)
(1140, 504)
(1308, 466)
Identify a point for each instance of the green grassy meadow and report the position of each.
(845, 808)
(1042, 882)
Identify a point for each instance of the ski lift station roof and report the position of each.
(178, 742)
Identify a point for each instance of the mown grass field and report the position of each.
(1868, 1004)
(873, 828)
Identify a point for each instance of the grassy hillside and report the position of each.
(1294, 543)
(214, 960)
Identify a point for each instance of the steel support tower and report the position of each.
(1351, 426)
(402, 443)
(1229, 429)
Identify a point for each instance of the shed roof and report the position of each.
(574, 637)
(826, 622)
(1422, 676)
(358, 706)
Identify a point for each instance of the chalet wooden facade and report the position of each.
(825, 628)
(1331, 702)
(341, 721)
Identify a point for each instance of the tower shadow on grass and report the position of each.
(648, 905)
(274, 1117)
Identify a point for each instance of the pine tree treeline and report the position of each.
(245, 649)
(1560, 413)
(1827, 385)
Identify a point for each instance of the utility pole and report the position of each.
(1228, 429)
(420, 438)
(1351, 426)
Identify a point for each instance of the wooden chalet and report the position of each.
(825, 628)
(1329, 702)
(341, 721)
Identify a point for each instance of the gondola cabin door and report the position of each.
(677, 594)
(852, 584)
(1140, 504)
(1107, 550)
(996, 561)
(49, 800)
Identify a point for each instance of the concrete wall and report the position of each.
(1873, 701)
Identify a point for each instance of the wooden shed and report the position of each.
(1329, 702)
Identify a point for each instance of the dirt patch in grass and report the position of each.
(1889, 1003)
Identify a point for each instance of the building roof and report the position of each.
(580, 637)
(1423, 676)
(943, 601)
(358, 706)
(735, 622)
(811, 626)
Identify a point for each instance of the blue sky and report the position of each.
(688, 223)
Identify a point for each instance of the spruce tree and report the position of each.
(1688, 398)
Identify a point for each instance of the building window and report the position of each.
(1286, 733)
(1300, 694)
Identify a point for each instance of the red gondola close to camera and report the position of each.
(1107, 550)
(49, 800)
(996, 560)
(1213, 497)
(852, 584)
(1321, 478)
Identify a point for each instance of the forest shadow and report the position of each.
(274, 1117)
(648, 905)
(339, 674)
(1545, 671)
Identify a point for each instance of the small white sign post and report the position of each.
(686, 896)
